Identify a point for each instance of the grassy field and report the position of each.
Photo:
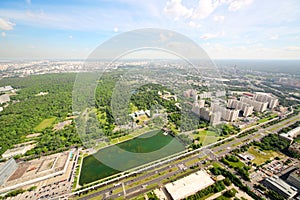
(44, 124)
(266, 119)
(261, 157)
(236, 164)
(206, 137)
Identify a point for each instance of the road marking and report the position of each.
(124, 189)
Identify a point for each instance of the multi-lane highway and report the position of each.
(138, 185)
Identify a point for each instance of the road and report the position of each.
(211, 151)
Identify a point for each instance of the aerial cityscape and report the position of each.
(170, 100)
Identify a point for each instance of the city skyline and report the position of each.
(225, 29)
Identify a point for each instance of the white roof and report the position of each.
(6, 88)
(189, 185)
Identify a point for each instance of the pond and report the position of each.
(146, 148)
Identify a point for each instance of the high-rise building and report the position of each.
(257, 106)
(201, 103)
(205, 95)
(265, 97)
(205, 113)
(197, 105)
(235, 104)
(215, 118)
(220, 93)
(226, 114)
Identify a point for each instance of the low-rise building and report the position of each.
(7, 88)
(189, 185)
(291, 134)
(17, 151)
(295, 147)
(281, 187)
(4, 98)
(294, 179)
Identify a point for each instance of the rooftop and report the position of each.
(189, 185)
(282, 186)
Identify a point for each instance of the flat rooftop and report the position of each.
(189, 185)
(285, 188)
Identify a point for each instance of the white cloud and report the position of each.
(205, 8)
(274, 37)
(6, 24)
(219, 18)
(177, 10)
(116, 29)
(292, 48)
(239, 4)
(70, 36)
(208, 36)
(3, 34)
(194, 24)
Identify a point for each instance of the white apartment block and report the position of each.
(264, 97)
(257, 106)
(226, 114)
(246, 108)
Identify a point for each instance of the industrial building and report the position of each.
(7, 169)
(189, 185)
(281, 187)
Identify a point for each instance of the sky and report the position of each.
(225, 29)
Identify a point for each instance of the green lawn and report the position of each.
(261, 157)
(237, 164)
(266, 119)
(44, 124)
(206, 137)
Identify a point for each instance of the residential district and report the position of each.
(257, 159)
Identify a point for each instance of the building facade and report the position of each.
(7, 169)
(235, 104)
(257, 106)
(264, 97)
